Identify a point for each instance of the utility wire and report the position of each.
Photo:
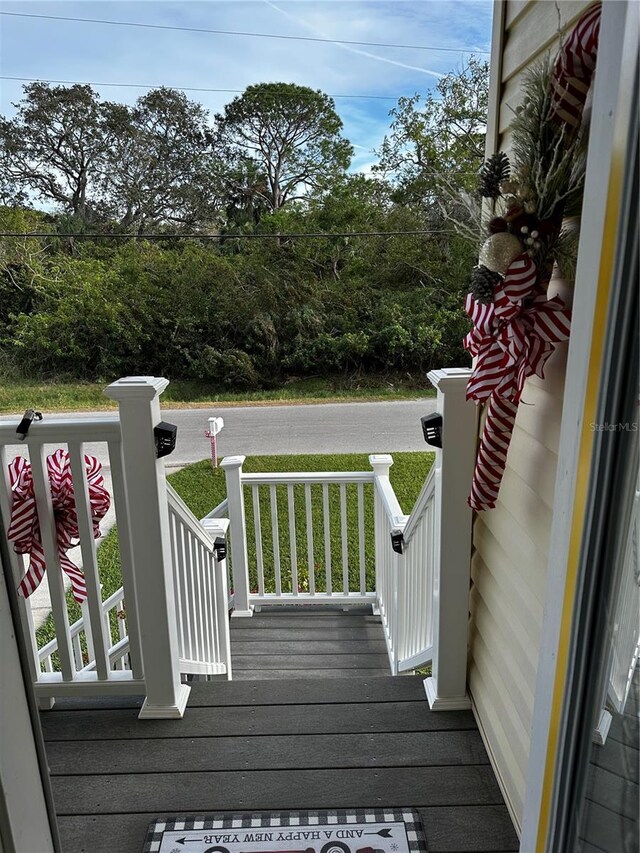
(181, 88)
(218, 236)
(240, 33)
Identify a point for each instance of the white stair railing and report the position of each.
(423, 560)
(200, 586)
(405, 569)
(115, 625)
(415, 603)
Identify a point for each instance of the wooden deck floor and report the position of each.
(288, 733)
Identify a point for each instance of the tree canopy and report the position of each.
(290, 133)
(252, 306)
(436, 143)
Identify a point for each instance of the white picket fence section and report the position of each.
(314, 563)
(200, 585)
(626, 624)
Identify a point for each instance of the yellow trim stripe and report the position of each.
(585, 455)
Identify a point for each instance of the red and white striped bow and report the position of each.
(574, 69)
(24, 528)
(511, 339)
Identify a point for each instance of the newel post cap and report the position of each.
(450, 378)
(380, 461)
(232, 462)
(136, 387)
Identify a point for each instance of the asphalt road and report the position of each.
(318, 428)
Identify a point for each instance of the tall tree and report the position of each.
(436, 143)
(160, 162)
(54, 147)
(290, 133)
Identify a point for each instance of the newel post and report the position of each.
(232, 466)
(455, 461)
(148, 511)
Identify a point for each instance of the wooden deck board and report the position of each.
(296, 738)
(239, 721)
(309, 691)
(263, 790)
(272, 752)
(267, 646)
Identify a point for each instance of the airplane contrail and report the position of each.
(353, 49)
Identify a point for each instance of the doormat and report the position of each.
(341, 831)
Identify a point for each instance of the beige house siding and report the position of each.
(511, 542)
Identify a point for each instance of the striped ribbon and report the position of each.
(512, 339)
(574, 68)
(24, 527)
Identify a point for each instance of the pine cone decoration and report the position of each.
(492, 173)
(483, 282)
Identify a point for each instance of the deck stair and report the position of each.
(292, 642)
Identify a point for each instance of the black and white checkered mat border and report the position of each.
(410, 818)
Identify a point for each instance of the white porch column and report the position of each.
(455, 462)
(232, 466)
(148, 511)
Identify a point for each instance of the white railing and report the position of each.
(324, 560)
(90, 659)
(114, 617)
(626, 623)
(200, 586)
(414, 569)
(405, 569)
(209, 522)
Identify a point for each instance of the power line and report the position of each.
(315, 235)
(241, 33)
(181, 88)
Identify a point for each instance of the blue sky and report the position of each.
(65, 50)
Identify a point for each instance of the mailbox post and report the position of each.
(215, 426)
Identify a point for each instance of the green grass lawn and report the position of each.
(202, 488)
(18, 395)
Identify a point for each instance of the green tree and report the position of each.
(160, 163)
(289, 133)
(54, 147)
(436, 143)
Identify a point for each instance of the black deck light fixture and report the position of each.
(165, 435)
(432, 429)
